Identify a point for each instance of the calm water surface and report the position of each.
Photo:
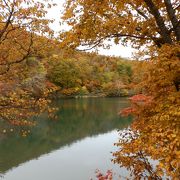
(71, 148)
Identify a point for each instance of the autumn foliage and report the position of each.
(152, 27)
(150, 147)
(155, 131)
(24, 37)
(107, 176)
(81, 74)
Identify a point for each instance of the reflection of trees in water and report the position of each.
(77, 120)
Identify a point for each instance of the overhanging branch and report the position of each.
(159, 21)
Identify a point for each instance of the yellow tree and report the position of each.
(24, 36)
(154, 26)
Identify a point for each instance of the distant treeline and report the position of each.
(90, 74)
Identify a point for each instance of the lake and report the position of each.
(71, 148)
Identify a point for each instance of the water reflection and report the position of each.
(79, 119)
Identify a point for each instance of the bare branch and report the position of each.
(139, 11)
(99, 41)
(7, 22)
(177, 7)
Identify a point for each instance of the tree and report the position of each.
(20, 24)
(65, 73)
(24, 35)
(141, 22)
(153, 26)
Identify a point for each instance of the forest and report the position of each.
(83, 74)
(39, 66)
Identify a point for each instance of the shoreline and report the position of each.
(87, 96)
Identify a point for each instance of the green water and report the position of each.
(71, 148)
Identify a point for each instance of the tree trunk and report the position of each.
(159, 21)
